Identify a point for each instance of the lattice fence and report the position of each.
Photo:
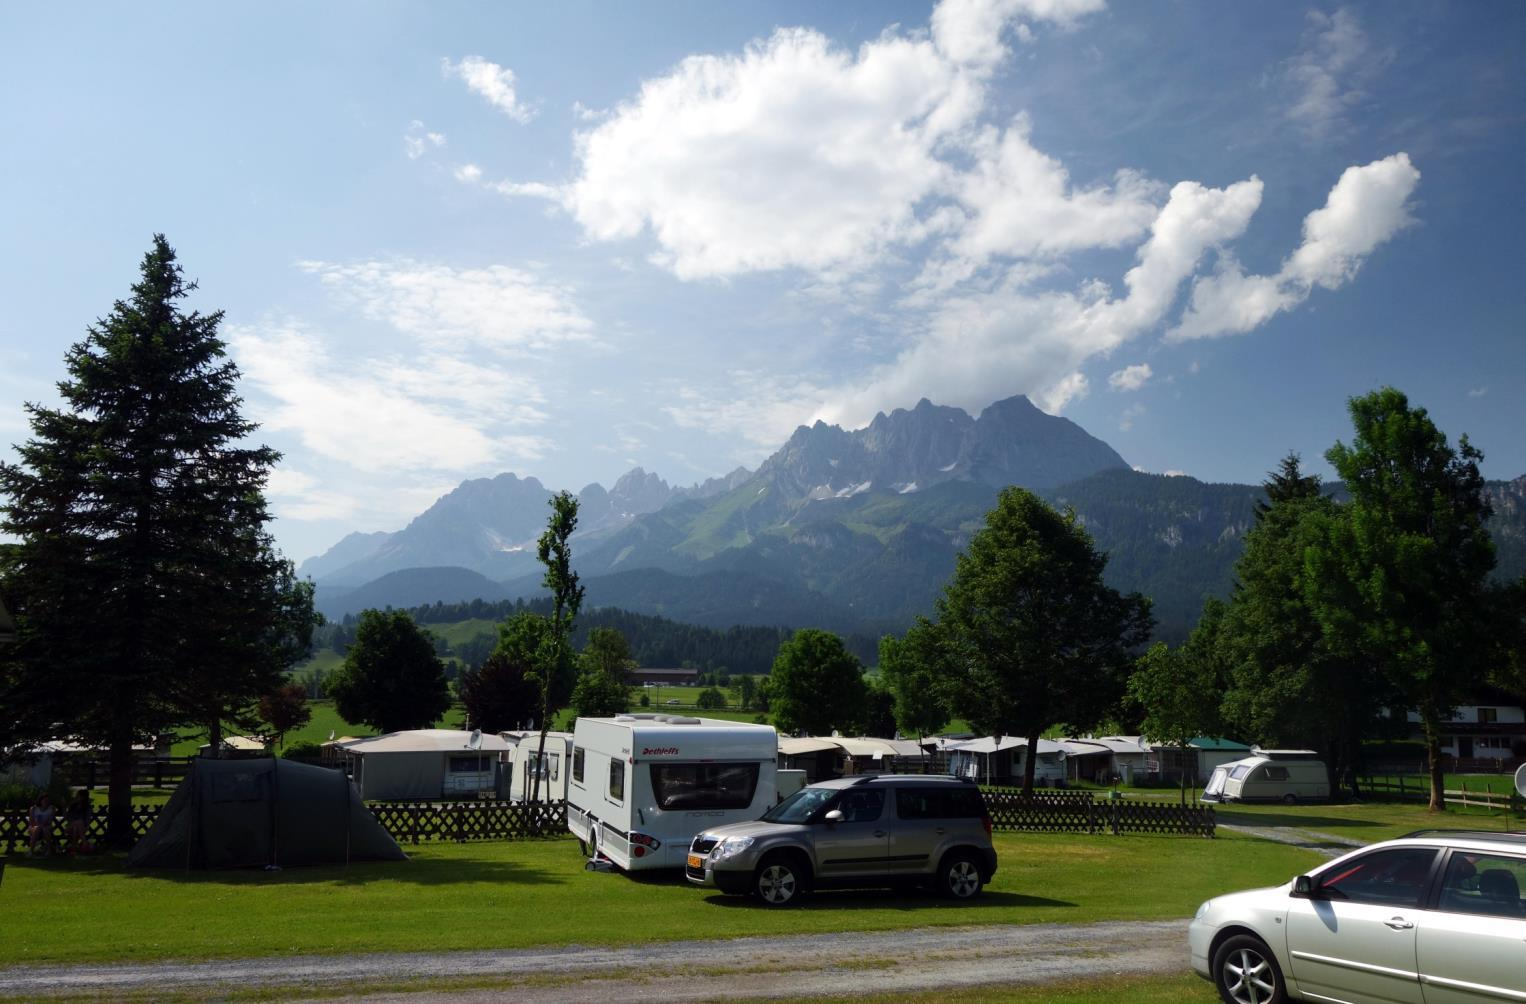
(1080, 812)
(416, 822)
(13, 827)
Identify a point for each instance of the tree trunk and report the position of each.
(119, 792)
(215, 738)
(1030, 760)
(1433, 761)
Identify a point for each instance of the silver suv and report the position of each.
(1436, 915)
(869, 830)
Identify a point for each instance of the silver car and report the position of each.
(1435, 917)
(869, 830)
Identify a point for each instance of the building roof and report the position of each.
(426, 741)
(997, 745)
(1121, 744)
(804, 745)
(865, 747)
(1209, 743)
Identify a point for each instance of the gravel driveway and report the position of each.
(921, 960)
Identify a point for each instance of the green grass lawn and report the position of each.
(1367, 821)
(1500, 784)
(464, 896)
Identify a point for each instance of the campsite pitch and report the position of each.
(536, 893)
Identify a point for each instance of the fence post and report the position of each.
(90, 774)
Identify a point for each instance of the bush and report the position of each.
(303, 749)
(646, 700)
(710, 697)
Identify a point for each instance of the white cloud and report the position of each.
(1173, 473)
(1367, 206)
(491, 81)
(390, 415)
(418, 140)
(1130, 377)
(969, 31)
(1478, 391)
(1130, 414)
(496, 306)
(469, 174)
(1325, 76)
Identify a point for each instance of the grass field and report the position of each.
(1500, 784)
(1368, 821)
(460, 896)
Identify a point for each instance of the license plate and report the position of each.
(696, 861)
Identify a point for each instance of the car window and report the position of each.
(862, 806)
(1487, 884)
(918, 803)
(1396, 876)
(800, 807)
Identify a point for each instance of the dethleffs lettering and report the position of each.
(660, 751)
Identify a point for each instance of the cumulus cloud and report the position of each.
(491, 81)
(495, 307)
(1130, 414)
(1130, 377)
(1367, 206)
(1478, 391)
(969, 31)
(418, 140)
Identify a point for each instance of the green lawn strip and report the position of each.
(1368, 821)
(468, 896)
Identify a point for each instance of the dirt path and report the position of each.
(1328, 844)
(920, 960)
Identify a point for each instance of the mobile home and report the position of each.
(1270, 776)
(524, 760)
(426, 764)
(643, 785)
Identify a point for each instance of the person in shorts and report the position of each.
(39, 824)
(77, 815)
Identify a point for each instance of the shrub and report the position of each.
(303, 749)
(710, 697)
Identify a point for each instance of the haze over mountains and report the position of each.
(855, 531)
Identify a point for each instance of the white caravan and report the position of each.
(524, 760)
(643, 785)
(1270, 776)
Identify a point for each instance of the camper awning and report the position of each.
(865, 747)
(426, 741)
(806, 744)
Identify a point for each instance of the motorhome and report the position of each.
(1270, 776)
(524, 760)
(642, 785)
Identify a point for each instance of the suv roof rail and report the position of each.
(866, 778)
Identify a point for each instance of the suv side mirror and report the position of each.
(1303, 887)
(835, 816)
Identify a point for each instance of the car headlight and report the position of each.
(1203, 909)
(730, 847)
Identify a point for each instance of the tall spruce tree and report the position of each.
(554, 663)
(148, 593)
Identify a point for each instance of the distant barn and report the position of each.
(645, 677)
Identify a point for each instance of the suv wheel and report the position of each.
(1246, 972)
(959, 877)
(779, 881)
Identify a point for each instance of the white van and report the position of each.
(642, 785)
(1270, 776)
(524, 760)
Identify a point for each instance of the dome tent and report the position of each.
(254, 813)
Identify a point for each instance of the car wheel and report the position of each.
(779, 881)
(1246, 972)
(1290, 799)
(959, 877)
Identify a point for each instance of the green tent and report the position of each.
(266, 812)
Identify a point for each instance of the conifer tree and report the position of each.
(148, 593)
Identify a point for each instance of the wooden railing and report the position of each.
(1419, 789)
(1080, 812)
(160, 772)
(13, 828)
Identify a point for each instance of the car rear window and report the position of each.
(1486, 884)
(939, 803)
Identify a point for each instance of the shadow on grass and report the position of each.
(880, 899)
(421, 871)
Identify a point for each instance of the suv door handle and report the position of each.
(879, 833)
(940, 831)
(1399, 923)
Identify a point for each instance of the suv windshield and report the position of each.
(801, 806)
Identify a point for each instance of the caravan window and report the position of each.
(577, 765)
(704, 785)
(1276, 773)
(556, 766)
(617, 779)
(1238, 773)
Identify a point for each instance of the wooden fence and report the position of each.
(1080, 812)
(1420, 789)
(408, 822)
(160, 772)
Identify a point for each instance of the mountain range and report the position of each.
(851, 530)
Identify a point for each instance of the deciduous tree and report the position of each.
(913, 669)
(1178, 688)
(553, 664)
(603, 686)
(817, 685)
(391, 678)
(503, 693)
(285, 709)
(1035, 638)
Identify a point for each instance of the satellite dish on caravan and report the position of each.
(1520, 779)
(475, 741)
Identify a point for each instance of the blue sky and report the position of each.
(564, 240)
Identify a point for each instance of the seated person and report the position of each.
(39, 824)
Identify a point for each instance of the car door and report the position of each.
(856, 844)
(1472, 946)
(920, 826)
(1353, 938)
